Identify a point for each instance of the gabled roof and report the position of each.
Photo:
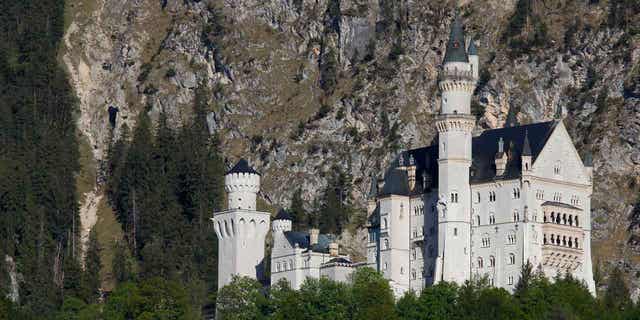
(456, 51)
(242, 166)
(302, 239)
(484, 148)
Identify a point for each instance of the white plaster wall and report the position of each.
(396, 211)
(241, 237)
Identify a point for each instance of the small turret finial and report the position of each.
(526, 148)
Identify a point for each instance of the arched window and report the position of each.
(570, 220)
(414, 253)
(477, 197)
(386, 244)
(486, 241)
(516, 216)
(556, 168)
(480, 263)
(413, 274)
(492, 261)
(455, 232)
(512, 258)
(454, 197)
(577, 222)
(384, 223)
(511, 237)
(478, 220)
(516, 193)
(492, 219)
(401, 270)
(510, 280)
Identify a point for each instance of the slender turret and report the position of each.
(241, 230)
(455, 124)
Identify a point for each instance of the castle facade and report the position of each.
(472, 205)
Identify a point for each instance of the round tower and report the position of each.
(455, 125)
(242, 184)
(282, 222)
(241, 230)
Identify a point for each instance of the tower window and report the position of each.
(492, 261)
(454, 197)
(512, 258)
(492, 219)
(455, 232)
(480, 263)
(510, 280)
(511, 238)
(486, 241)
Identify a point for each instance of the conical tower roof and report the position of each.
(242, 166)
(456, 51)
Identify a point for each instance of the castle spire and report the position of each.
(456, 51)
(526, 148)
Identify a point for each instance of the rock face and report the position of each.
(300, 86)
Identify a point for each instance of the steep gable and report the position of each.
(559, 159)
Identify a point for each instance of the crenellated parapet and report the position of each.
(455, 122)
(242, 182)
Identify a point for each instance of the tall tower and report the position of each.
(241, 230)
(455, 124)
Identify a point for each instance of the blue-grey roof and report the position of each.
(339, 260)
(526, 149)
(283, 215)
(456, 51)
(484, 148)
(373, 189)
(473, 51)
(242, 166)
(302, 239)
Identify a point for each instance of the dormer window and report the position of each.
(556, 168)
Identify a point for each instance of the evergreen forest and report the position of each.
(163, 183)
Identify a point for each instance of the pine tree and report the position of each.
(298, 213)
(617, 298)
(91, 281)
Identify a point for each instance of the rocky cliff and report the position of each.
(300, 85)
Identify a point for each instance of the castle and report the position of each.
(472, 205)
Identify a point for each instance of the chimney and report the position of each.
(411, 173)
(313, 236)
(501, 159)
(526, 153)
(333, 249)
